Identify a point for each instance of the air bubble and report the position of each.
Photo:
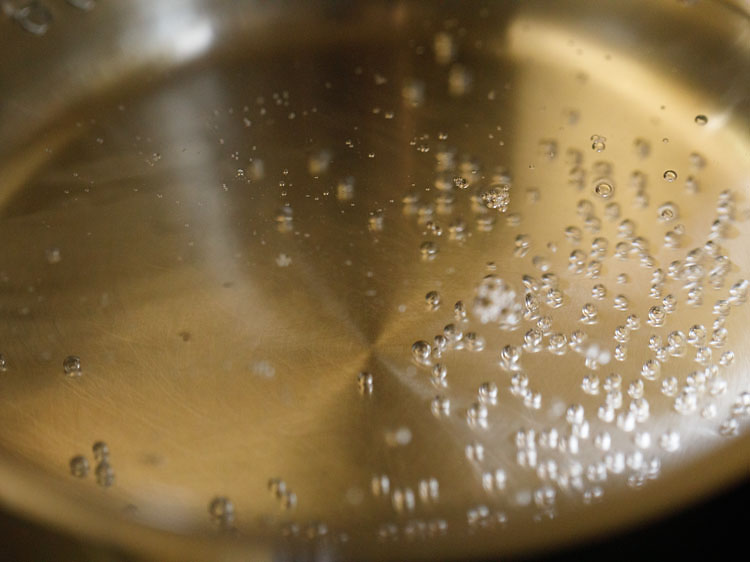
(633, 322)
(221, 510)
(53, 255)
(670, 175)
(428, 250)
(72, 366)
(488, 392)
(604, 189)
(589, 313)
(421, 351)
(459, 311)
(105, 475)
(473, 341)
(460, 183)
(598, 143)
(598, 291)
(726, 359)
(79, 466)
(432, 300)
(101, 451)
(573, 234)
(620, 302)
(365, 382)
(642, 147)
(667, 212)
(440, 406)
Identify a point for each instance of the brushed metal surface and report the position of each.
(176, 210)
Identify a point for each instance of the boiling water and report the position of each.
(442, 290)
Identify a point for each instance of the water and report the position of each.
(381, 291)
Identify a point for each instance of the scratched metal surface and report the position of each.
(147, 154)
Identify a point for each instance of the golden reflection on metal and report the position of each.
(220, 351)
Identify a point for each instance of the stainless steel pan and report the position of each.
(373, 280)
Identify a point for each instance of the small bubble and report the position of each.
(413, 92)
(621, 334)
(376, 221)
(590, 384)
(440, 406)
(727, 358)
(656, 315)
(101, 451)
(589, 313)
(399, 437)
(432, 300)
(642, 147)
(667, 212)
(697, 160)
(79, 466)
(284, 219)
(621, 302)
(72, 366)
(421, 351)
(604, 189)
(670, 175)
(548, 148)
(729, 427)
(452, 334)
(701, 120)
(428, 250)
(573, 234)
(345, 189)
(460, 80)
(533, 341)
(444, 47)
(633, 322)
(476, 415)
(105, 475)
(474, 342)
(598, 143)
(460, 183)
(598, 291)
(289, 500)
(488, 392)
(53, 255)
(439, 374)
(365, 382)
(221, 510)
(557, 344)
(459, 311)
(541, 263)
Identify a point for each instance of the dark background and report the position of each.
(708, 530)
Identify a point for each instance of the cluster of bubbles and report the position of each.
(626, 407)
(104, 473)
(221, 511)
(286, 497)
(404, 498)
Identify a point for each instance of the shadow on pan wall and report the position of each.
(704, 530)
